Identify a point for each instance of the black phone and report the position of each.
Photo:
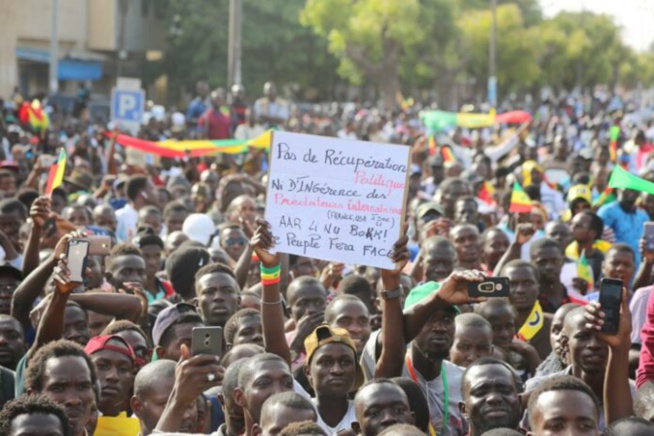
(50, 227)
(610, 297)
(207, 340)
(490, 287)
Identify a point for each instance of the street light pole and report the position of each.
(492, 59)
(234, 48)
(54, 55)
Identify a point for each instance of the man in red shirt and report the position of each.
(216, 122)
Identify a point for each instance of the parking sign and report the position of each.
(127, 107)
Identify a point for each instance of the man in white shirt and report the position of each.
(140, 193)
(270, 110)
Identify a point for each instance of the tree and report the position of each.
(369, 37)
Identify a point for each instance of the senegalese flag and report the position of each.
(432, 145)
(533, 324)
(608, 196)
(614, 134)
(487, 193)
(520, 201)
(448, 156)
(56, 175)
(585, 272)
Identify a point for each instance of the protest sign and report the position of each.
(335, 199)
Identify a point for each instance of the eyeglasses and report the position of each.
(235, 241)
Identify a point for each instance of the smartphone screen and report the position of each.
(649, 236)
(78, 249)
(610, 296)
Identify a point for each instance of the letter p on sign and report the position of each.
(126, 105)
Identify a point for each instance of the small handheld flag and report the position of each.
(520, 201)
(608, 196)
(533, 324)
(56, 174)
(448, 156)
(487, 193)
(585, 272)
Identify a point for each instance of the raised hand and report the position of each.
(454, 290)
(196, 374)
(262, 241)
(40, 211)
(595, 320)
(63, 283)
(524, 232)
(305, 326)
(391, 277)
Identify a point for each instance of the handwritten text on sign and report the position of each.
(336, 200)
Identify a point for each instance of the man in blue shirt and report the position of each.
(625, 219)
(198, 105)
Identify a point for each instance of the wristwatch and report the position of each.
(393, 293)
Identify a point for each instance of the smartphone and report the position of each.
(207, 340)
(610, 296)
(491, 287)
(649, 236)
(50, 227)
(78, 250)
(99, 245)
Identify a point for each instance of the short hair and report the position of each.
(231, 326)
(152, 374)
(182, 265)
(434, 241)
(614, 429)
(401, 430)
(484, 361)
(519, 263)
(174, 206)
(472, 320)
(29, 405)
(503, 431)
(417, 401)
(560, 383)
(230, 380)
(214, 268)
(354, 284)
(289, 399)
(10, 205)
(229, 358)
(228, 226)
(124, 325)
(492, 303)
(27, 196)
(149, 210)
(620, 246)
(134, 185)
(123, 249)
(59, 192)
(542, 243)
(644, 401)
(450, 181)
(185, 318)
(74, 206)
(61, 348)
(303, 428)
(346, 298)
(247, 371)
(596, 223)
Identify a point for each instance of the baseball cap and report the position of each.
(99, 343)
(423, 291)
(425, 208)
(168, 317)
(8, 269)
(323, 335)
(579, 191)
(199, 227)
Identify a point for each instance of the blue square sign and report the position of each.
(127, 106)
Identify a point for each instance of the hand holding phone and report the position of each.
(78, 250)
(207, 340)
(490, 287)
(610, 299)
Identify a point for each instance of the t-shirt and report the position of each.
(628, 227)
(126, 220)
(344, 424)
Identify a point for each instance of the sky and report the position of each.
(635, 16)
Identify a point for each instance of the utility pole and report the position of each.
(492, 59)
(54, 55)
(234, 45)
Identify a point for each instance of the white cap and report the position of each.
(199, 227)
(178, 119)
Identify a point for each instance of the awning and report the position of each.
(68, 69)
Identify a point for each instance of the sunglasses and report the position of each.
(235, 241)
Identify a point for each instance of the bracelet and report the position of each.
(274, 270)
(271, 303)
(272, 281)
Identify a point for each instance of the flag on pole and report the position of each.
(608, 196)
(448, 156)
(56, 174)
(585, 272)
(487, 193)
(520, 201)
(432, 145)
(614, 134)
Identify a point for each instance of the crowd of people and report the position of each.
(313, 347)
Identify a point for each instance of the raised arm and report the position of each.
(618, 403)
(120, 306)
(39, 212)
(523, 234)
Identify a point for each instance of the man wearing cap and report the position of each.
(174, 327)
(533, 174)
(10, 278)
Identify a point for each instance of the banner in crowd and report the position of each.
(195, 148)
(437, 121)
(336, 200)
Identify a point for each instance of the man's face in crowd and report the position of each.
(466, 212)
(244, 207)
(217, 298)
(12, 342)
(175, 220)
(580, 226)
(127, 268)
(466, 241)
(181, 334)
(269, 378)
(77, 216)
(452, 194)
(8, 284)
(174, 240)
(471, 343)
(8, 185)
(153, 220)
(67, 381)
(502, 320)
(36, 424)
(619, 264)
(589, 355)
(549, 261)
(76, 327)
(381, 405)
(95, 278)
(332, 370)
(627, 199)
(438, 263)
(306, 299)
(150, 408)
(97, 322)
(524, 288)
(560, 232)
(565, 412)
(115, 374)
(354, 317)
(436, 336)
(105, 217)
(304, 266)
(275, 418)
(494, 247)
(490, 398)
(233, 241)
(249, 331)
(152, 256)
(556, 331)
(10, 223)
(139, 346)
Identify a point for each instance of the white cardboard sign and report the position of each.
(336, 200)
